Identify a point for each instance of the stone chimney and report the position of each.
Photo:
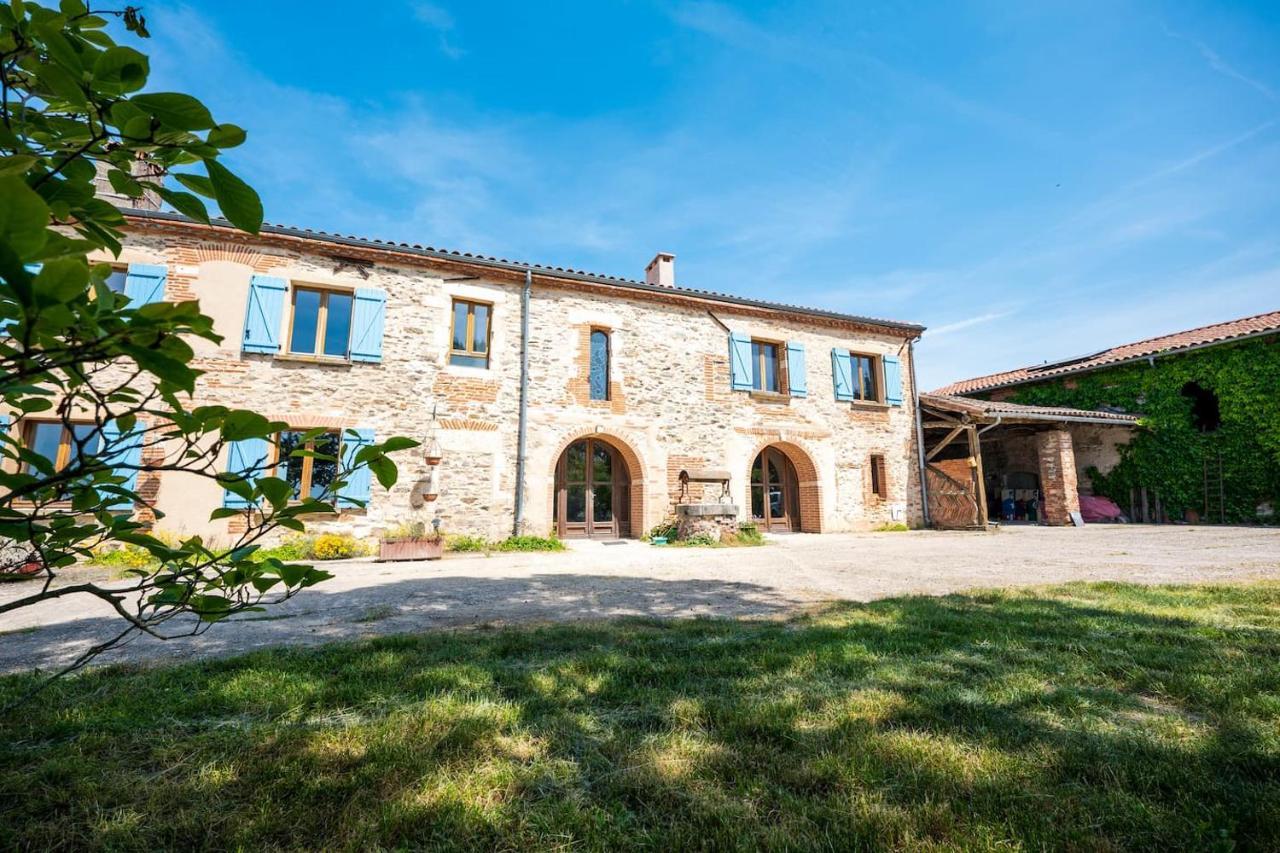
(661, 270)
(143, 171)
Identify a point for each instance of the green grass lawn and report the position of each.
(1086, 717)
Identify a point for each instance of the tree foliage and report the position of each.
(1170, 453)
(118, 376)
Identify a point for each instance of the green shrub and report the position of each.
(529, 543)
(891, 527)
(665, 529)
(464, 544)
(749, 534)
(132, 558)
(291, 549)
(337, 546)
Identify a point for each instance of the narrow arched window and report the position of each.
(599, 375)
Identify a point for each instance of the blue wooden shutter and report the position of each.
(123, 451)
(366, 324)
(892, 380)
(144, 283)
(739, 362)
(359, 485)
(795, 370)
(842, 373)
(262, 315)
(244, 456)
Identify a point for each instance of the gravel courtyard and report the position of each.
(595, 581)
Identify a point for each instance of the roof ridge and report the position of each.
(603, 278)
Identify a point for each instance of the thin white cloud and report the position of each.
(967, 323)
(439, 19)
(1221, 66)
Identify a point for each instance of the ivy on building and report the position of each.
(1169, 454)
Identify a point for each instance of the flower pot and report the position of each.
(412, 549)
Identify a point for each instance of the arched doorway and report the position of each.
(775, 492)
(593, 492)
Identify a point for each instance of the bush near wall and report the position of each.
(1169, 454)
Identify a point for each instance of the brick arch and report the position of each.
(807, 482)
(635, 474)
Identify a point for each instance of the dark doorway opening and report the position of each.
(1206, 415)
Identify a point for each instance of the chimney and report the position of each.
(143, 171)
(661, 270)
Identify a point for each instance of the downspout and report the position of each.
(523, 429)
(915, 399)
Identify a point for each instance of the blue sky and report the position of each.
(1031, 180)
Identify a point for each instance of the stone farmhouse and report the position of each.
(810, 415)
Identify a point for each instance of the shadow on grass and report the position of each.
(1090, 716)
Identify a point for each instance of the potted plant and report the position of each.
(411, 540)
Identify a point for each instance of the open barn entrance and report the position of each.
(987, 461)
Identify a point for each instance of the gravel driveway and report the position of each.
(633, 579)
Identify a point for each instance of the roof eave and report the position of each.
(906, 329)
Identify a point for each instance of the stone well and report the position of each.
(715, 521)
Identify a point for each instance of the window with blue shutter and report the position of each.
(262, 314)
(359, 482)
(740, 372)
(249, 455)
(366, 324)
(842, 374)
(796, 381)
(892, 380)
(144, 283)
(123, 453)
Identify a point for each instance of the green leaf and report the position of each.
(124, 184)
(175, 110)
(121, 69)
(397, 443)
(23, 217)
(385, 470)
(226, 136)
(196, 183)
(238, 201)
(275, 490)
(186, 204)
(16, 164)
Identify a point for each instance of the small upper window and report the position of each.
(309, 476)
(866, 377)
(765, 366)
(321, 322)
(1206, 413)
(599, 375)
(469, 341)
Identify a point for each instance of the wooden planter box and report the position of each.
(411, 549)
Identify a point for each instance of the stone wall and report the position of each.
(670, 402)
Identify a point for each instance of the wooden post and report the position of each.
(1146, 510)
(980, 482)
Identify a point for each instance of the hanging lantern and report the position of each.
(431, 488)
(432, 453)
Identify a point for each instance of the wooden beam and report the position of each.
(942, 445)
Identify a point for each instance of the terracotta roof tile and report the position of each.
(1162, 345)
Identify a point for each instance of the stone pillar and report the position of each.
(1057, 476)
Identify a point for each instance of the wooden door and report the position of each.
(775, 495)
(591, 485)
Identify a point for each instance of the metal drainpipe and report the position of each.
(523, 429)
(915, 396)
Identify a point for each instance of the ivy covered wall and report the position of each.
(1169, 454)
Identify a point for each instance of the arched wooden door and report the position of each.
(775, 492)
(592, 486)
